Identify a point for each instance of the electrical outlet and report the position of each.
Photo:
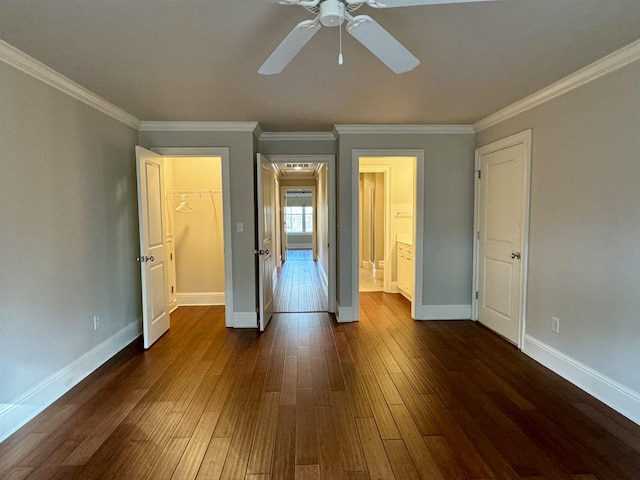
(96, 322)
(555, 324)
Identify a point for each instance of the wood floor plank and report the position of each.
(422, 457)
(168, 459)
(307, 472)
(264, 439)
(378, 464)
(196, 448)
(235, 465)
(147, 453)
(285, 448)
(306, 441)
(289, 381)
(214, 459)
(331, 467)
(400, 460)
(350, 445)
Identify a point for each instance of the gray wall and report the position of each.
(242, 147)
(297, 147)
(448, 213)
(68, 210)
(584, 262)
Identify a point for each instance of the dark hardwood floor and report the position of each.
(311, 399)
(299, 287)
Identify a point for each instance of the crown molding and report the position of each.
(29, 65)
(605, 65)
(297, 136)
(151, 126)
(405, 129)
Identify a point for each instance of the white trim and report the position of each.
(17, 413)
(151, 126)
(191, 299)
(296, 136)
(245, 320)
(345, 315)
(443, 312)
(617, 396)
(614, 61)
(405, 129)
(223, 153)
(525, 138)
(29, 65)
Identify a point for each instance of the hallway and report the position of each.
(300, 287)
(384, 398)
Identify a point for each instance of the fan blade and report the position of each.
(289, 48)
(382, 44)
(408, 3)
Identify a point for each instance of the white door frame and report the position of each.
(524, 138)
(418, 226)
(388, 233)
(223, 153)
(330, 160)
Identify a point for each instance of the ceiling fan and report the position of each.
(333, 13)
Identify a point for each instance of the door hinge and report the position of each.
(478, 235)
(479, 174)
(477, 295)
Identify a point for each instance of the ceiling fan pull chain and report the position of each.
(340, 58)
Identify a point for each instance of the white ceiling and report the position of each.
(197, 60)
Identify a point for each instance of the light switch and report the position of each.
(240, 227)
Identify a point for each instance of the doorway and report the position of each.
(395, 180)
(198, 227)
(194, 230)
(303, 263)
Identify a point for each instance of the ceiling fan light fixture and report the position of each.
(331, 13)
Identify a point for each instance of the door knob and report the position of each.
(516, 255)
(262, 252)
(144, 259)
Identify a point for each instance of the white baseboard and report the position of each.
(345, 315)
(605, 389)
(200, 298)
(443, 312)
(19, 412)
(245, 320)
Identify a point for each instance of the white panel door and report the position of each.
(264, 249)
(155, 302)
(501, 210)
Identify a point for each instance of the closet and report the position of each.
(194, 231)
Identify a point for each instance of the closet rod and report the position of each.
(176, 193)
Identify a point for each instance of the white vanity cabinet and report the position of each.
(405, 269)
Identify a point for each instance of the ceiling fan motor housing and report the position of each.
(331, 13)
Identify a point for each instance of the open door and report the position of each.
(264, 248)
(155, 303)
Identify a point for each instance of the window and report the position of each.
(298, 219)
